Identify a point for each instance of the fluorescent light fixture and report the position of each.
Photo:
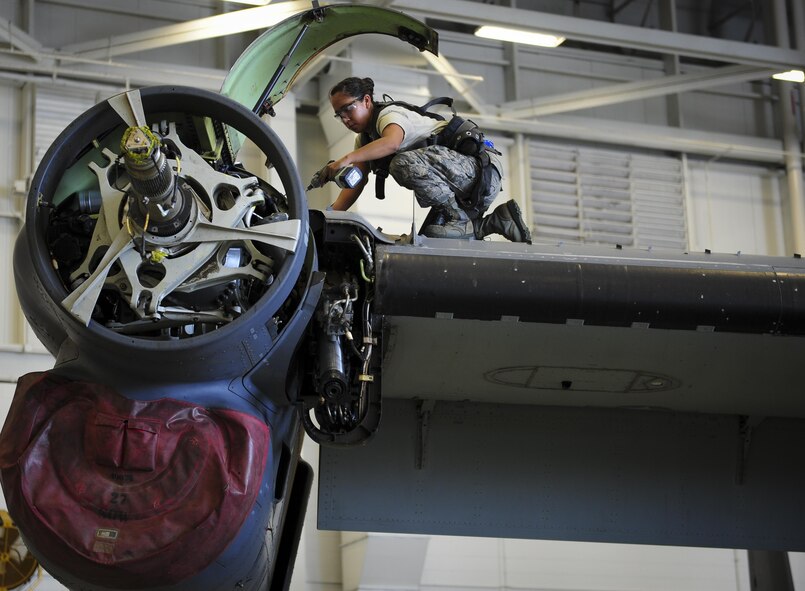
(248, 19)
(519, 36)
(251, 2)
(791, 76)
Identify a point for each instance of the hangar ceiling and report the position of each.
(702, 44)
(716, 32)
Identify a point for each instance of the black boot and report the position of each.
(448, 223)
(506, 220)
(435, 217)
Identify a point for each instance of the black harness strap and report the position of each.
(380, 183)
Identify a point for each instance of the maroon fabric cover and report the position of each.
(127, 493)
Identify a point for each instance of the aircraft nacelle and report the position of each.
(200, 326)
(174, 288)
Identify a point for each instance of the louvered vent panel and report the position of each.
(55, 109)
(602, 196)
(554, 177)
(658, 189)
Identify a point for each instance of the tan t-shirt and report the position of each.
(416, 128)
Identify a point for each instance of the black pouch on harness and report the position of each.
(462, 135)
(472, 201)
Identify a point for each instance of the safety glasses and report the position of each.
(346, 111)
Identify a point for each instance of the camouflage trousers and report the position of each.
(436, 173)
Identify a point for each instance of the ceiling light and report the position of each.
(251, 2)
(791, 76)
(519, 36)
(248, 19)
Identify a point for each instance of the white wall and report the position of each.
(736, 207)
(318, 564)
(533, 564)
(10, 203)
(394, 561)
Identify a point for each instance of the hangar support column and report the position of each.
(798, 15)
(791, 145)
(671, 61)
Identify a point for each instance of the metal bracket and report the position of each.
(424, 408)
(264, 105)
(746, 425)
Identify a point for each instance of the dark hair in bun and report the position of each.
(355, 87)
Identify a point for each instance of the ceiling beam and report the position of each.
(172, 12)
(249, 19)
(641, 135)
(614, 10)
(632, 91)
(123, 74)
(314, 67)
(579, 29)
(16, 37)
(671, 62)
(459, 83)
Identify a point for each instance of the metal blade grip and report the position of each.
(129, 105)
(81, 302)
(283, 235)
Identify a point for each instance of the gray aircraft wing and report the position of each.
(582, 393)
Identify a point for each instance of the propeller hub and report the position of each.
(152, 179)
(170, 223)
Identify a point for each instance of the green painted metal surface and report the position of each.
(322, 27)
